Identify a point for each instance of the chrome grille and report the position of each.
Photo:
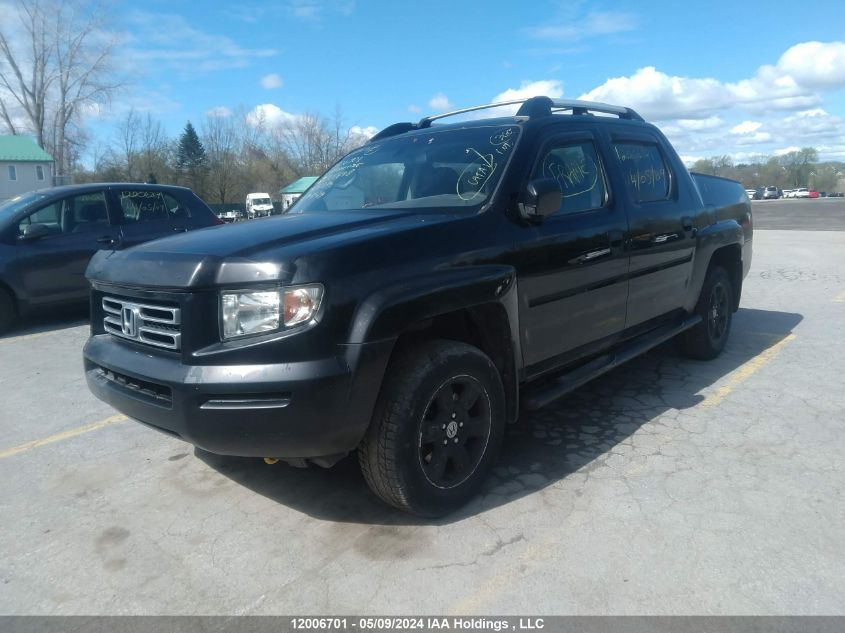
(151, 324)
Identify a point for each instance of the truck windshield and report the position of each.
(262, 201)
(440, 168)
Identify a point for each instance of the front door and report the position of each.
(53, 267)
(571, 267)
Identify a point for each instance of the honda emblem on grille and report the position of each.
(129, 321)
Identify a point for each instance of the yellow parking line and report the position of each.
(64, 435)
(745, 372)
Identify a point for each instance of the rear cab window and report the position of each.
(646, 175)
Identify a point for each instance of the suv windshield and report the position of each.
(440, 168)
(261, 201)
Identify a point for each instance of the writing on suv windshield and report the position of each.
(443, 168)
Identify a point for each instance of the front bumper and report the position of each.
(286, 410)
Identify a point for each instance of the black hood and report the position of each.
(246, 252)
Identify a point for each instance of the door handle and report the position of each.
(106, 239)
(665, 237)
(687, 224)
(589, 256)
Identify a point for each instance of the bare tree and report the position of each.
(313, 143)
(222, 147)
(128, 133)
(154, 147)
(55, 60)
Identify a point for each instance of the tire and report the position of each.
(415, 455)
(7, 310)
(706, 340)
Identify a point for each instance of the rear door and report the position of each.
(146, 214)
(571, 267)
(660, 237)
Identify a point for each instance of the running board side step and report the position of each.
(535, 399)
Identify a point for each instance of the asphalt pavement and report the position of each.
(668, 486)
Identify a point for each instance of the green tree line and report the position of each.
(798, 168)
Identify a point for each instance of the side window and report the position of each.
(13, 172)
(647, 178)
(145, 206)
(176, 211)
(76, 214)
(577, 170)
(39, 172)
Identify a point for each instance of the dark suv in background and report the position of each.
(47, 237)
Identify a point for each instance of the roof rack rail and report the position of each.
(585, 107)
(534, 107)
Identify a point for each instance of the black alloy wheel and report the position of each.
(454, 431)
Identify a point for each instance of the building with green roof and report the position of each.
(24, 166)
(295, 189)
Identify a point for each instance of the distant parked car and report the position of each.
(771, 193)
(812, 194)
(785, 193)
(836, 194)
(48, 236)
(801, 192)
(232, 215)
(751, 193)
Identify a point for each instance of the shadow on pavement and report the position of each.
(545, 446)
(55, 319)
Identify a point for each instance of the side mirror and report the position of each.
(542, 199)
(32, 232)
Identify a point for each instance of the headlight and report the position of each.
(246, 313)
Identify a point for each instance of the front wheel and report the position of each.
(706, 340)
(437, 428)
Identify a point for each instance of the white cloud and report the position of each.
(746, 127)
(709, 123)
(815, 64)
(369, 131)
(181, 46)
(575, 28)
(219, 111)
(271, 81)
(792, 84)
(439, 102)
(268, 114)
(754, 139)
(415, 109)
(314, 10)
(549, 88)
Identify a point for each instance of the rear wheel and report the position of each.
(437, 429)
(715, 305)
(7, 310)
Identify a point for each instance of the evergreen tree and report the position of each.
(191, 159)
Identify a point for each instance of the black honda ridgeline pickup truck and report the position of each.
(426, 289)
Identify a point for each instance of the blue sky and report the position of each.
(739, 78)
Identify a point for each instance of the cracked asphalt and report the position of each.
(669, 486)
